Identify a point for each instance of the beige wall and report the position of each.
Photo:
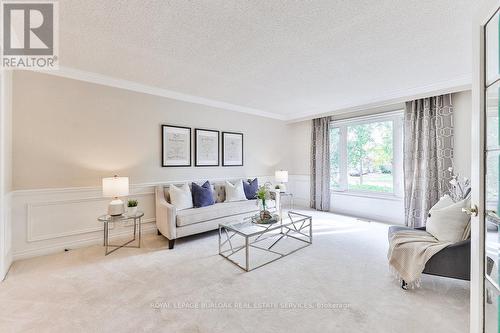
(68, 133)
(5, 171)
(300, 157)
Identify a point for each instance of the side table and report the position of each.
(275, 195)
(107, 219)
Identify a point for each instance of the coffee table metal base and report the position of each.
(299, 229)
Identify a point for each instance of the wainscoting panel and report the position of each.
(51, 220)
(300, 186)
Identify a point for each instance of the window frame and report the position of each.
(397, 117)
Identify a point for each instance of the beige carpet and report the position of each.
(344, 271)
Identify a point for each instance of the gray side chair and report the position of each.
(452, 262)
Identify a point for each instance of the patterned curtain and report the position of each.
(320, 164)
(428, 153)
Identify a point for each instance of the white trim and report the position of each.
(397, 160)
(367, 194)
(458, 84)
(76, 74)
(66, 190)
(389, 115)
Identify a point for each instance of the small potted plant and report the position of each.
(132, 206)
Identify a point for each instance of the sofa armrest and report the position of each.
(165, 215)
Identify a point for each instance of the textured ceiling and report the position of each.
(291, 58)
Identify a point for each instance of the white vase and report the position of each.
(132, 210)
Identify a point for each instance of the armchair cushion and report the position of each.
(448, 224)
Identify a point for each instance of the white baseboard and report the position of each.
(147, 228)
(6, 266)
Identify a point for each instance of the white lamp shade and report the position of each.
(281, 176)
(114, 187)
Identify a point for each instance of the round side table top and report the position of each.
(123, 217)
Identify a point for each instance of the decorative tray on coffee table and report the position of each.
(257, 220)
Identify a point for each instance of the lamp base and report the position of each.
(282, 187)
(116, 207)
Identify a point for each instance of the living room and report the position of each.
(190, 166)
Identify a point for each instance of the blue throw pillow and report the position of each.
(202, 195)
(251, 187)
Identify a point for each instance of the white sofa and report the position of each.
(173, 223)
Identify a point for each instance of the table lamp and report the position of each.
(281, 177)
(115, 187)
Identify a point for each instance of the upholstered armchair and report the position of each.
(452, 262)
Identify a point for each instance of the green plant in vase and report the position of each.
(263, 195)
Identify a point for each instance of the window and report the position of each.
(366, 154)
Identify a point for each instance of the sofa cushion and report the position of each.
(203, 214)
(219, 192)
(251, 187)
(181, 197)
(202, 195)
(235, 192)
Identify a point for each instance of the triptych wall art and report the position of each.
(176, 147)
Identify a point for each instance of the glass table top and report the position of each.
(123, 217)
(246, 227)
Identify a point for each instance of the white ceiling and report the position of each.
(284, 59)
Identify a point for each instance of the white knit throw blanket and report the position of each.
(409, 251)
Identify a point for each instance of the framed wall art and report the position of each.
(176, 146)
(232, 149)
(206, 147)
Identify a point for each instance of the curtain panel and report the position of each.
(428, 153)
(320, 164)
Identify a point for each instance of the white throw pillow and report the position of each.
(447, 224)
(443, 202)
(180, 196)
(235, 192)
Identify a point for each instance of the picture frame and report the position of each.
(175, 146)
(232, 149)
(206, 147)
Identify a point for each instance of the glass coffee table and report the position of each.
(249, 245)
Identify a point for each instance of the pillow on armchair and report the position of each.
(443, 202)
(447, 222)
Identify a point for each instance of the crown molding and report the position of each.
(458, 84)
(76, 74)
